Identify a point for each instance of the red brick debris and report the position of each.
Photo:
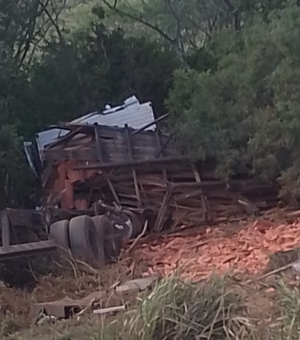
(196, 257)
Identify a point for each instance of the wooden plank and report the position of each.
(112, 189)
(5, 227)
(162, 212)
(190, 194)
(207, 186)
(146, 162)
(64, 139)
(162, 147)
(27, 249)
(131, 157)
(100, 147)
(203, 197)
(159, 119)
(88, 154)
(161, 151)
(102, 159)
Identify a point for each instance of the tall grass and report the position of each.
(290, 312)
(173, 310)
(179, 311)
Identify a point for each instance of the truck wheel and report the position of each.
(112, 247)
(84, 239)
(122, 225)
(59, 232)
(112, 240)
(137, 225)
(100, 228)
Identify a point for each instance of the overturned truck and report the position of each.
(108, 177)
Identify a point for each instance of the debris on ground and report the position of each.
(136, 285)
(99, 302)
(109, 310)
(196, 257)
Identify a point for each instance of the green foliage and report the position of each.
(177, 310)
(187, 25)
(96, 69)
(244, 112)
(235, 100)
(290, 308)
(63, 74)
(16, 182)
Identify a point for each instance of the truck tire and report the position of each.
(112, 240)
(137, 224)
(112, 247)
(59, 232)
(100, 228)
(84, 239)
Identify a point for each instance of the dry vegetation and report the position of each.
(219, 308)
(227, 307)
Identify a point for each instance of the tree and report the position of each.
(105, 68)
(187, 25)
(244, 113)
(24, 27)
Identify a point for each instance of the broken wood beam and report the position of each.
(109, 310)
(159, 220)
(159, 119)
(203, 197)
(166, 160)
(163, 147)
(64, 138)
(135, 179)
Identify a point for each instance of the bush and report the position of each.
(244, 113)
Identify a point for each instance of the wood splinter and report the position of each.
(109, 310)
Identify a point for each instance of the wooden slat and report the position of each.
(131, 157)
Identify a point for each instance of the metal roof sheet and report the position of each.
(132, 113)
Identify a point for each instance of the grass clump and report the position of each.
(177, 310)
(173, 310)
(290, 311)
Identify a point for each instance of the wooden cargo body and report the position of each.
(145, 172)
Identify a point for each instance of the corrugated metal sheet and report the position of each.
(133, 113)
(49, 136)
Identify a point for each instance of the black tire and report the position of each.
(137, 224)
(121, 225)
(59, 232)
(112, 240)
(112, 247)
(99, 223)
(84, 239)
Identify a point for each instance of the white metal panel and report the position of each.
(49, 136)
(46, 137)
(133, 113)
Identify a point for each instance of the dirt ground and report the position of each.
(165, 255)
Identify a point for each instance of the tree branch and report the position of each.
(53, 22)
(235, 13)
(153, 27)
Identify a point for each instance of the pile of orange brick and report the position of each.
(244, 251)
